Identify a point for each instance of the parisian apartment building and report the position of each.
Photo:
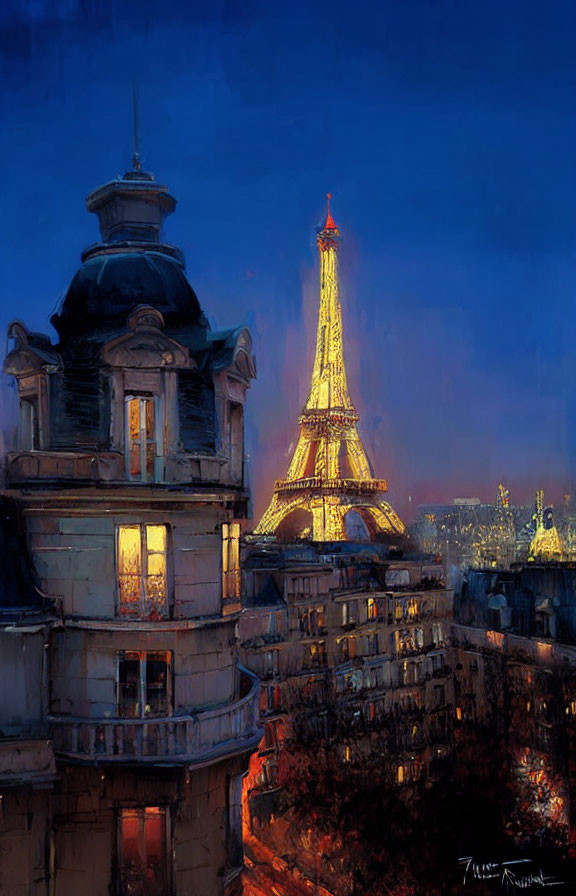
(126, 719)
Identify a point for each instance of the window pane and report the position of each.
(155, 850)
(156, 538)
(149, 419)
(133, 411)
(143, 851)
(156, 568)
(129, 686)
(129, 569)
(156, 684)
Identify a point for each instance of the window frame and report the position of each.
(143, 655)
(231, 569)
(147, 609)
(158, 441)
(123, 882)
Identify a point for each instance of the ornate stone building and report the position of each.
(129, 477)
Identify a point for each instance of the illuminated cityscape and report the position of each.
(287, 483)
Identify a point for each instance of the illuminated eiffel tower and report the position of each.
(329, 474)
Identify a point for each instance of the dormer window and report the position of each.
(144, 441)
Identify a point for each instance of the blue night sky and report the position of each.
(446, 131)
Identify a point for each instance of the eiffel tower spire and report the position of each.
(329, 473)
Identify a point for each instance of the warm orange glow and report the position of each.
(231, 576)
(142, 573)
(143, 850)
(495, 639)
(545, 651)
(141, 438)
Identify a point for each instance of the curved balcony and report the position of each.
(196, 739)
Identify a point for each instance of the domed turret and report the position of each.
(131, 266)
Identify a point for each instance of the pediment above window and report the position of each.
(29, 353)
(146, 345)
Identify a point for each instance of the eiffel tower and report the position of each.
(329, 474)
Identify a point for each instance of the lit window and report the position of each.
(459, 713)
(400, 774)
(231, 560)
(142, 570)
(315, 654)
(143, 848)
(143, 447)
(144, 684)
(372, 608)
(312, 620)
(412, 608)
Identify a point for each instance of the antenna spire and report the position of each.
(329, 223)
(136, 163)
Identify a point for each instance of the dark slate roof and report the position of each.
(109, 286)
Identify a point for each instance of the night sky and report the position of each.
(446, 131)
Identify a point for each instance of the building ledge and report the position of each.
(26, 762)
(144, 625)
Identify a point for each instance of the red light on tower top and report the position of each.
(329, 223)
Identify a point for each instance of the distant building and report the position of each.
(119, 650)
(514, 654)
(468, 533)
(344, 637)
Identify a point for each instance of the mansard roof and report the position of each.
(110, 285)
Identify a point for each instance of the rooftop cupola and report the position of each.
(132, 207)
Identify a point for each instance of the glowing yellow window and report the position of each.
(372, 609)
(231, 581)
(400, 774)
(412, 608)
(142, 570)
(143, 451)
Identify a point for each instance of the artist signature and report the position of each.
(515, 874)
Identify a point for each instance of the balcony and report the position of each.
(23, 466)
(197, 739)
